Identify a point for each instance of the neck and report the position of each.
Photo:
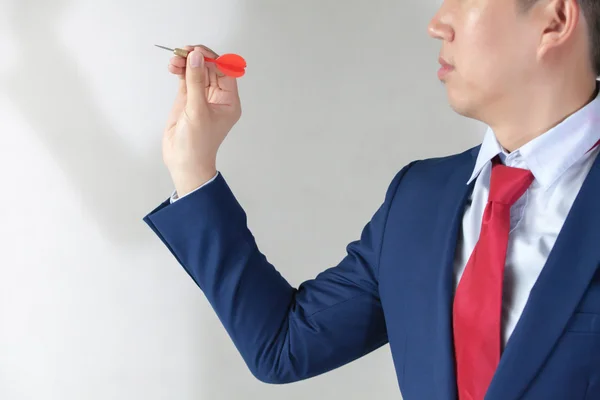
(538, 109)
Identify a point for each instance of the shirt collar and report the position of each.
(549, 155)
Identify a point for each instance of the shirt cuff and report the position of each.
(175, 197)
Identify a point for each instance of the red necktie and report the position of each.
(478, 302)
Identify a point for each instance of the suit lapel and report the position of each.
(555, 296)
(450, 218)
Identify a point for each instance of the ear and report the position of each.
(559, 20)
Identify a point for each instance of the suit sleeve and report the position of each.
(284, 334)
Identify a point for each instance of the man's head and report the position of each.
(502, 53)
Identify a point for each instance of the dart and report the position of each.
(230, 64)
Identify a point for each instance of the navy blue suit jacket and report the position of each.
(395, 285)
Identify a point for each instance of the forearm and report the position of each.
(206, 231)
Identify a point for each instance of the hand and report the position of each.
(207, 106)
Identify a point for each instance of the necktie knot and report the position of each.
(508, 184)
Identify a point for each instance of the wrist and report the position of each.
(188, 182)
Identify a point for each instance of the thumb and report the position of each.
(196, 82)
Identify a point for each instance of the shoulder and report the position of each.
(433, 172)
(446, 164)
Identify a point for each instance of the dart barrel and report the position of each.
(181, 52)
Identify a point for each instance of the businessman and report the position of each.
(480, 269)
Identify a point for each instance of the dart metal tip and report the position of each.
(163, 47)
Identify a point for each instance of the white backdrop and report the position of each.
(338, 97)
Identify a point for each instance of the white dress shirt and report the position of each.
(175, 197)
(560, 161)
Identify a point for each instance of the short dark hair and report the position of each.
(591, 12)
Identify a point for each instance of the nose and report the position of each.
(439, 27)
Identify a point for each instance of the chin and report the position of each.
(461, 103)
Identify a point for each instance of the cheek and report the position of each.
(481, 59)
(487, 50)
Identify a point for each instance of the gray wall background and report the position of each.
(338, 96)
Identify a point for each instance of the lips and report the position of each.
(444, 63)
(445, 68)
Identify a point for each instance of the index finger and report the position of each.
(208, 52)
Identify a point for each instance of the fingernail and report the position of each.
(196, 59)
